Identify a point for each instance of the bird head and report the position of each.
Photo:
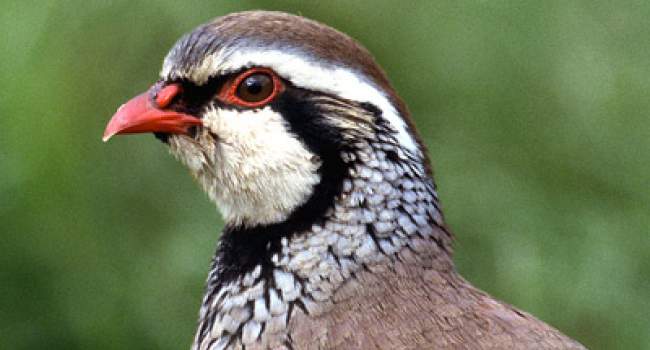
(270, 112)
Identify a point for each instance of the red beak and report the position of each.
(144, 114)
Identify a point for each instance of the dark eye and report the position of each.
(255, 87)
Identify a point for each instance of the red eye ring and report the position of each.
(229, 92)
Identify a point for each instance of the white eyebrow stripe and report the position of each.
(307, 73)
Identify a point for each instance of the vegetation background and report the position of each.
(535, 114)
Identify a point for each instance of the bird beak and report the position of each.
(145, 114)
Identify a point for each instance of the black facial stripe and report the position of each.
(195, 98)
(243, 248)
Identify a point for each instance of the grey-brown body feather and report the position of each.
(419, 304)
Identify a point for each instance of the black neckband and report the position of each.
(243, 248)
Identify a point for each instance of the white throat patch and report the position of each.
(305, 72)
(256, 171)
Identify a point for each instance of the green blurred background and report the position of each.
(535, 115)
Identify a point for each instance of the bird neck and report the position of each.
(387, 205)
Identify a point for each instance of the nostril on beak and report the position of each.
(166, 95)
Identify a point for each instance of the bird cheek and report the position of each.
(189, 152)
(214, 123)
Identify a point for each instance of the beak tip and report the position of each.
(107, 137)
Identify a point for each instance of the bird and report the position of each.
(334, 235)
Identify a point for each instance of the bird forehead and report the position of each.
(269, 31)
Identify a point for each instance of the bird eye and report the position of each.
(255, 87)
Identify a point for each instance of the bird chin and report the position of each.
(192, 133)
(162, 136)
